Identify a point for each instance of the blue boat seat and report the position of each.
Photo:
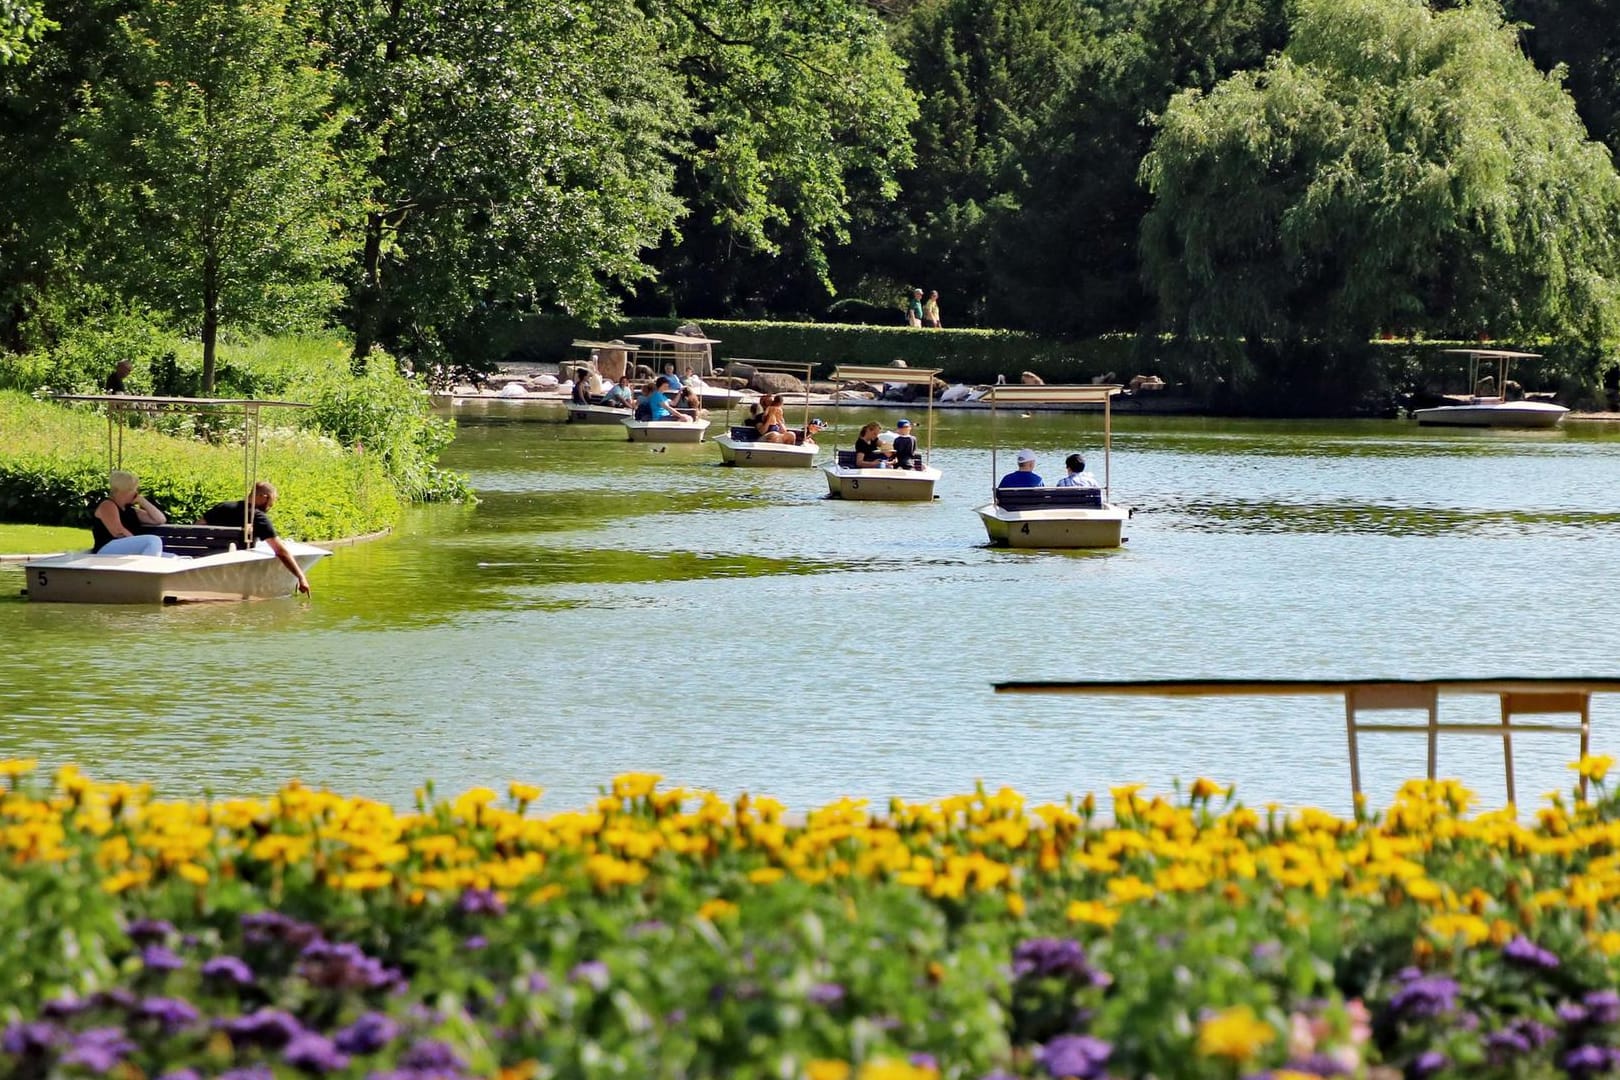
(744, 434)
(1053, 498)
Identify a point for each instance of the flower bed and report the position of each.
(667, 933)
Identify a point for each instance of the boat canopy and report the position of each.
(1494, 354)
(899, 376)
(154, 403)
(580, 343)
(674, 339)
(1052, 395)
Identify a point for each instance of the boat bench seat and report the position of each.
(1044, 498)
(846, 459)
(196, 540)
(744, 434)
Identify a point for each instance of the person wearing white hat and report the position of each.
(1024, 476)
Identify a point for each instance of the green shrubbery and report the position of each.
(52, 458)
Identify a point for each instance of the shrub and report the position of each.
(53, 457)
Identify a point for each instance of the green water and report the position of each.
(607, 607)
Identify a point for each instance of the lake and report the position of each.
(608, 607)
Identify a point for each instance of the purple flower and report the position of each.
(1319, 1065)
(1521, 950)
(475, 943)
(171, 1014)
(1588, 1059)
(270, 1028)
(431, 1055)
(1602, 1006)
(1572, 1014)
(593, 973)
(539, 983)
(481, 902)
(1426, 1064)
(228, 969)
(98, 1049)
(314, 1053)
(925, 1061)
(370, 1033)
(62, 1007)
(1061, 957)
(343, 966)
(180, 1074)
(148, 931)
(30, 1037)
(1503, 1046)
(1429, 995)
(647, 926)
(116, 998)
(270, 927)
(159, 958)
(249, 1072)
(827, 993)
(1084, 1056)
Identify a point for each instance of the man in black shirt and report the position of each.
(232, 513)
(115, 381)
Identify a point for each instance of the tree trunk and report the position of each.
(368, 305)
(210, 322)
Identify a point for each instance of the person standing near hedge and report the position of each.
(115, 381)
(914, 309)
(930, 315)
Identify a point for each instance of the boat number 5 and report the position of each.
(42, 579)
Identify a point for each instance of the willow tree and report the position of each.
(212, 166)
(22, 23)
(1394, 167)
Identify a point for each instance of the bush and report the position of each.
(52, 457)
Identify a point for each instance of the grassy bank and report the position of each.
(52, 457)
(40, 539)
(668, 933)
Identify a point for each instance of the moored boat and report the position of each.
(597, 414)
(665, 431)
(1055, 517)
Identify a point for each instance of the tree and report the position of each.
(520, 159)
(22, 23)
(214, 168)
(1394, 167)
(1584, 36)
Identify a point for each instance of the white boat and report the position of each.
(665, 431)
(1055, 517)
(845, 481)
(742, 446)
(235, 573)
(597, 414)
(1492, 408)
(214, 562)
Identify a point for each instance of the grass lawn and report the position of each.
(41, 539)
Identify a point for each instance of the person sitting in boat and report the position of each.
(869, 453)
(688, 398)
(656, 405)
(905, 446)
(674, 379)
(582, 387)
(117, 519)
(772, 424)
(807, 437)
(234, 513)
(1077, 475)
(1024, 476)
(618, 396)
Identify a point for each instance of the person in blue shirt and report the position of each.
(656, 406)
(674, 379)
(1024, 476)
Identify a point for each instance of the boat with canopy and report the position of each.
(217, 562)
(611, 360)
(1054, 517)
(743, 446)
(845, 481)
(690, 354)
(1487, 404)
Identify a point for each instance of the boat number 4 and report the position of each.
(1024, 528)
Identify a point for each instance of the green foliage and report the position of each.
(1584, 37)
(1400, 168)
(52, 458)
(22, 23)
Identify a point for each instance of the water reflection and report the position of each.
(606, 608)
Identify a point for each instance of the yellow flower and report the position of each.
(1206, 789)
(893, 1069)
(525, 793)
(1015, 905)
(766, 875)
(1471, 928)
(1594, 767)
(635, 785)
(193, 873)
(1090, 911)
(716, 909)
(1608, 943)
(1235, 1033)
(826, 1069)
(363, 880)
(18, 766)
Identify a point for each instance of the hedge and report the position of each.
(53, 457)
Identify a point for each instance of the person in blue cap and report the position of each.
(905, 446)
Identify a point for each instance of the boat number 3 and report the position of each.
(855, 485)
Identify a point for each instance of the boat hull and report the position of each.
(255, 574)
(764, 455)
(1511, 414)
(666, 431)
(1055, 528)
(881, 485)
(598, 414)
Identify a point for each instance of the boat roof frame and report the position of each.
(904, 376)
(674, 339)
(1072, 394)
(581, 343)
(779, 367)
(120, 405)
